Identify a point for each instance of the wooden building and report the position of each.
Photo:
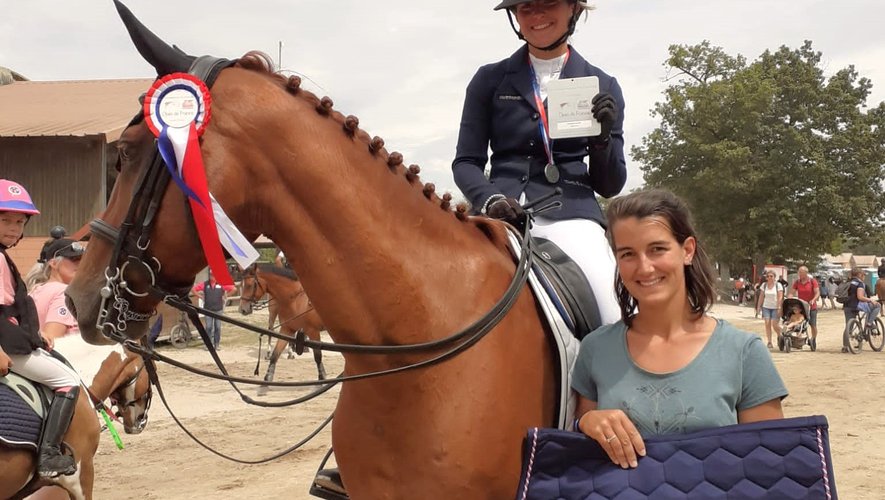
(58, 139)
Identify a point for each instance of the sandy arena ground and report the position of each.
(163, 463)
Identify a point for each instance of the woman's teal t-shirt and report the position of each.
(733, 372)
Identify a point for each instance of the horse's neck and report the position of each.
(362, 237)
(87, 359)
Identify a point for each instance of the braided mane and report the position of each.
(261, 62)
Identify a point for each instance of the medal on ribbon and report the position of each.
(177, 110)
(551, 171)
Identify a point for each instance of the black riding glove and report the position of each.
(605, 110)
(507, 210)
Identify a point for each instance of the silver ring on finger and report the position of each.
(610, 439)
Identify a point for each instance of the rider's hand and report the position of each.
(48, 342)
(605, 110)
(5, 363)
(617, 435)
(508, 210)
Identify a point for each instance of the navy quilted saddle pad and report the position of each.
(777, 459)
(19, 425)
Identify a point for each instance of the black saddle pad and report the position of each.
(19, 425)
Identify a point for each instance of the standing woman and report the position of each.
(505, 109)
(62, 256)
(769, 304)
(21, 345)
(666, 367)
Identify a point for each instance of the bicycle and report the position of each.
(180, 335)
(859, 330)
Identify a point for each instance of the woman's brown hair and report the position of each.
(699, 277)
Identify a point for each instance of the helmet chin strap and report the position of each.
(559, 41)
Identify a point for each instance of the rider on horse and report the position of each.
(22, 348)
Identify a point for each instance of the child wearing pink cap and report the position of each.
(22, 348)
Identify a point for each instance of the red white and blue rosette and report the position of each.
(177, 110)
(177, 101)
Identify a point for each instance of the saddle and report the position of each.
(565, 283)
(775, 459)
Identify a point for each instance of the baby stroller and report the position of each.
(795, 335)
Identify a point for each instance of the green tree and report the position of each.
(778, 162)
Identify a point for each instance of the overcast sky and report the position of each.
(402, 66)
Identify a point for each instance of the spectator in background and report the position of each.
(859, 299)
(806, 288)
(880, 284)
(214, 297)
(824, 292)
(832, 284)
(739, 290)
(61, 259)
(769, 304)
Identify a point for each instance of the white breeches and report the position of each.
(585, 242)
(41, 367)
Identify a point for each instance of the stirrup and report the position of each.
(327, 482)
(68, 468)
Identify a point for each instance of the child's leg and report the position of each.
(41, 367)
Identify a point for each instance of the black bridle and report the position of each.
(259, 291)
(145, 398)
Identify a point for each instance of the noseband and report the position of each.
(131, 381)
(131, 240)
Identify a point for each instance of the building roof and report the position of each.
(69, 108)
(842, 259)
(866, 261)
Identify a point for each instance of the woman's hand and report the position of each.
(5, 363)
(48, 342)
(617, 435)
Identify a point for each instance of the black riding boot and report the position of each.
(52, 461)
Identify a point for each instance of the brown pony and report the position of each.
(120, 378)
(385, 261)
(297, 313)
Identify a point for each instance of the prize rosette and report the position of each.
(177, 110)
(177, 101)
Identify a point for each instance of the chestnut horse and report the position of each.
(112, 375)
(296, 311)
(385, 261)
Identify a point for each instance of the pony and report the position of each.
(385, 260)
(297, 312)
(109, 374)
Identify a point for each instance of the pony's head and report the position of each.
(252, 291)
(132, 395)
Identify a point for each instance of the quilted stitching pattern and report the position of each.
(19, 425)
(780, 459)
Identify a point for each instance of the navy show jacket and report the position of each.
(500, 110)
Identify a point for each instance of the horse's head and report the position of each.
(253, 290)
(144, 245)
(132, 395)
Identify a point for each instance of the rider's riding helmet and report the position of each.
(581, 6)
(15, 198)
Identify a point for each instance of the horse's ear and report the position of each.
(159, 54)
